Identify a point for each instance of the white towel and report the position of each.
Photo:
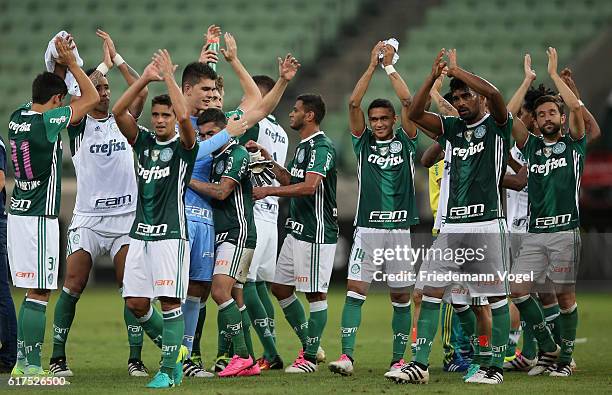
(51, 55)
(395, 44)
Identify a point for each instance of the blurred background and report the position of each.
(333, 39)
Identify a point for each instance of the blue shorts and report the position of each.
(202, 243)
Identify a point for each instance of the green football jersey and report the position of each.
(554, 182)
(478, 164)
(36, 153)
(234, 221)
(314, 218)
(385, 171)
(163, 174)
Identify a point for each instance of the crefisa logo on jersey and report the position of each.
(275, 136)
(108, 148)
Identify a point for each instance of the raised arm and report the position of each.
(495, 100)
(432, 155)
(576, 119)
(287, 68)
(129, 74)
(401, 90)
(207, 55)
(166, 71)
(516, 181)
(516, 102)
(593, 132)
(444, 107)
(125, 120)
(430, 123)
(252, 95)
(89, 94)
(357, 122)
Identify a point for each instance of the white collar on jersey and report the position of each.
(30, 112)
(106, 118)
(312, 136)
(479, 122)
(173, 139)
(232, 142)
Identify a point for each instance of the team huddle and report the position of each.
(191, 210)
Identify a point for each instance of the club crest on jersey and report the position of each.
(480, 131)
(395, 147)
(166, 154)
(559, 147)
(383, 150)
(154, 155)
(220, 167)
(301, 154)
(468, 135)
(547, 151)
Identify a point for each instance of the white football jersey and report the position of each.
(444, 186)
(517, 201)
(104, 167)
(274, 139)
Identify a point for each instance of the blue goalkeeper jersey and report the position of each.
(197, 207)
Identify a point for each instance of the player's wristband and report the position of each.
(389, 69)
(102, 68)
(581, 103)
(118, 60)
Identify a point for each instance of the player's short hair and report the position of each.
(448, 96)
(313, 102)
(548, 99)
(381, 103)
(219, 83)
(90, 71)
(264, 81)
(161, 99)
(196, 71)
(457, 84)
(212, 115)
(534, 94)
(46, 85)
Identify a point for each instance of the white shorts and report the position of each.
(233, 261)
(156, 268)
(367, 260)
(486, 266)
(307, 266)
(99, 235)
(263, 264)
(553, 255)
(460, 295)
(33, 251)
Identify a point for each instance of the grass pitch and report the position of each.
(97, 353)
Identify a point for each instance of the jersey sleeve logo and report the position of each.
(166, 154)
(220, 167)
(480, 131)
(395, 147)
(300, 155)
(559, 147)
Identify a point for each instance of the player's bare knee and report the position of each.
(566, 300)
(281, 292)
(548, 298)
(195, 288)
(168, 304)
(316, 296)
(220, 294)
(400, 296)
(361, 287)
(138, 306)
(39, 294)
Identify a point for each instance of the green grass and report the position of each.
(97, 353)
